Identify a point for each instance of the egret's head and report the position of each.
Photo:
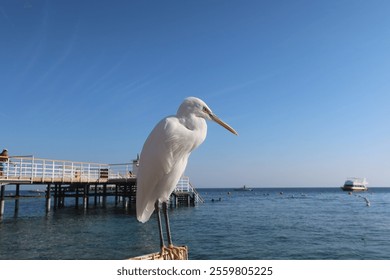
(199, 108)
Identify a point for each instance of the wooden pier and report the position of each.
(81, 181)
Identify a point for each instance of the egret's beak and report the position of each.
(222, 123)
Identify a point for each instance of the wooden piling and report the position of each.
(85, 197)
(96, 197)
(55, 196)
(77, 197)
(17, 195)
(2, 201)
(124, 197)
(104, 195)
(61, 196)
(116, 195)
(48, 198)
(87, 187)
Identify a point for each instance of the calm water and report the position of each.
(263, 224)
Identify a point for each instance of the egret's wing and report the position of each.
(162, 162)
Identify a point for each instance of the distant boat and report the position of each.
(355, 184)
(244, 188)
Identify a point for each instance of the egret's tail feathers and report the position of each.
(143, 215)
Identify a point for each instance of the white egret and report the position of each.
(164, 157)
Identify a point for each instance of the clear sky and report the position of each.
(305, 83)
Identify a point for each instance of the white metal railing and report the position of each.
(29, 168)
(184, 185)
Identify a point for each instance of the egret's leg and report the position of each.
(165, 210)
(157, 208)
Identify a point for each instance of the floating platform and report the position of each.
(167, 253)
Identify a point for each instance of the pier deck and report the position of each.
(31, 170)
(81, 180)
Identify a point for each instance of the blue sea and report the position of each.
(287, 224)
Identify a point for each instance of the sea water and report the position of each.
(290, 223)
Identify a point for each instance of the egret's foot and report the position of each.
(174, 252)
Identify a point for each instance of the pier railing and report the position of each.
(31, 170)
(184, 185)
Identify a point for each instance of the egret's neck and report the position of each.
(196, 125)
(192, 122)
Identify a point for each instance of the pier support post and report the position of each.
(48, 198)
(96, 196)
(104, 195)
(17, 194)
(85, 197)
(116, 195)
(55, 196)
(2, 201)
(126, 202)
(63, 193)
(77, 197)
(124, 194)
(88, 195)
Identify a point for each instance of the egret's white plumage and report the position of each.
(165, 153)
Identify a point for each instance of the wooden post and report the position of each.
(95, 198)
(55, 196)
(48, 198)
(85, 197)
(133, 189)
(2, 201)
(17, 194)
(77, 197)
(63, 197)
(104, 195)
(127, 202)
(116, 195)
(88, 189)
(124, 196)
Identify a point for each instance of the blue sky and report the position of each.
(305, 83)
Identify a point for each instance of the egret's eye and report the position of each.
(207, 111)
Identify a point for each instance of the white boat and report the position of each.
(355, 184)
(244, 188)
